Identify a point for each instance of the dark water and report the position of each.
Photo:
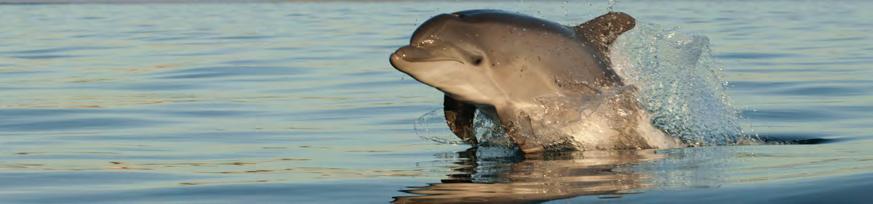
(296, 103)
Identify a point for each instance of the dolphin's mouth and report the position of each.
(430, 50)
(411, 53)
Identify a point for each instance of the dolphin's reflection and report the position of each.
(492, 175)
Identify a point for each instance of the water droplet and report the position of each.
(611, 5)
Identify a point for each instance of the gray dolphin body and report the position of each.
(550, 86)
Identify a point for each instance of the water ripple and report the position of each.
(78, 124)
(752, 55)
(42, 57)
(790, 115)
(60, 49)
(831, 91)
(232, 71)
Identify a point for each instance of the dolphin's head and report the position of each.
(491, 57)
(444, 53)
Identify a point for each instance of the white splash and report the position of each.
(680, 84)
(432, 126)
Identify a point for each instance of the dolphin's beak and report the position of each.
(413, 54)
(404, 58)
(398, 59)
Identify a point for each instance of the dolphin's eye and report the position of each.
(477, 61)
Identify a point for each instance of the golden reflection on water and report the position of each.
(537, 178)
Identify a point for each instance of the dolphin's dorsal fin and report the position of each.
(600, 32)
(459, 116)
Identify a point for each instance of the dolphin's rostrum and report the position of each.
(550, 86)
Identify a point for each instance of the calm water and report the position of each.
(296, 102)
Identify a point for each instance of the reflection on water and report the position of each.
(482, 175)
(503, 175)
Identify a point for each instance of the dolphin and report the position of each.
(550, 86)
